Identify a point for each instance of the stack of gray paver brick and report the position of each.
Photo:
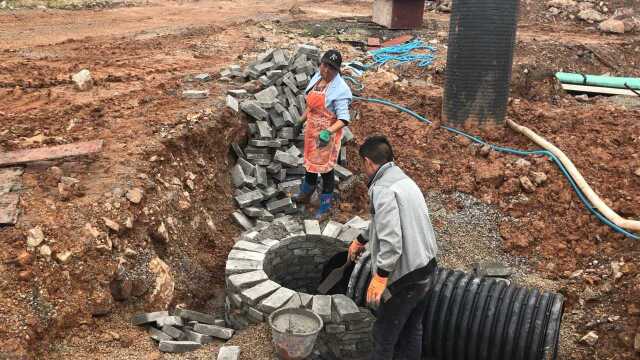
(184, 331)
(270, 168)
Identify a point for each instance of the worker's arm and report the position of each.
(341, 107)
(388, 229)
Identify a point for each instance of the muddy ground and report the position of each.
(176, 151)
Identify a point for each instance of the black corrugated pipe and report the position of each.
(476, 318)
(479, 58)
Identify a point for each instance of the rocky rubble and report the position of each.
(186, 330)
(269, 168)
(609, 20)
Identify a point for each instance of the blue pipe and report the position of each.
(507, 150)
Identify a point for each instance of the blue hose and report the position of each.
(507, 150)
(403, 53)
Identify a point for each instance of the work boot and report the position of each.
(324, 211)
(304, 195)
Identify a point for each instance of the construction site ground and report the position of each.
(177, 151)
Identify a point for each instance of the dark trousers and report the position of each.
(397, 332)
(328, 181)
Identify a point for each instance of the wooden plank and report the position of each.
(50, 153)
(597, 90)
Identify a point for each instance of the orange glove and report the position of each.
(355, 249)
(376, 288)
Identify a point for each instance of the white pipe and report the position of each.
(632, 225)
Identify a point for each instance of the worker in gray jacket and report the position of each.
(403, 251)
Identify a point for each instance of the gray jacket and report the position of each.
(400, 235)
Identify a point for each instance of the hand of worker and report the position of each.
(376, 288)
(324, 137)
(355, 249)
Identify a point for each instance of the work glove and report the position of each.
(376, 288)
(355, 249)
(324, 137)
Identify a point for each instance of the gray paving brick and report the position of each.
(247, 280)
(294, 302)
(267, 95)
(332, 229)
(270, 242)
(288, 120)
(274, 75)
(235, 266)
(250, 236)
(250, 246)
(280, 108)
(312, 229)
(265, 80)
(288, 132)
(345, 308)
(235, 300)
(280, 177)
(264, 67)
(245, 255)
(349, 234)
(239, 93)
(276, 300)
(258, 292)
(274, 168)
(215, 331)
(277, 119)
(266, 216)
(238, 151)
(279, 57)
(342, 172)
(301, 80)
(264, 130)
(233, 103)
(253, 211)
(269, 192)
(335, 329)
(279, 205)
(248, 199)
(170, 320)
(322, 306)
(229, 353)
(238, 177)
(286, 159)
(247, 168)
(295, 114)
(296, 171)
(293, 150)
(195, 94)
(158, 335)
(290, 186)
(175, 333)
(255, 314)
(302, 102)
(254, 110)
(197, 337)
(242, 220)
(178, 346)
(253, 129)
(294, 227)
(261, 176)
(358, 223)
(195, 316)
(141, 319)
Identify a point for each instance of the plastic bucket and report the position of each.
(294, 332)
